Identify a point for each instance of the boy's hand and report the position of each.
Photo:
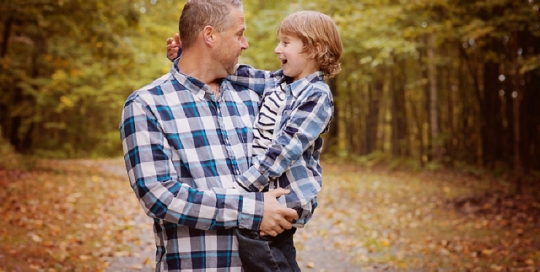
(173, 45)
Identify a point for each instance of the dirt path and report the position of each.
(81, 215)
(315, 252)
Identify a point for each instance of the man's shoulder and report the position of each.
(158, 87)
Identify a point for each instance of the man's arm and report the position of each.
(154, 180)
(304, 126)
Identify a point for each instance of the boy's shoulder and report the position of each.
(319, 88)
(312, 85)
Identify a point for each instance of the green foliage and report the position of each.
(67, 66)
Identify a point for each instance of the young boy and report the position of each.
(296, 109)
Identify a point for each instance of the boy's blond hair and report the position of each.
(314, 28)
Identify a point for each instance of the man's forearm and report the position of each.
(164, 197)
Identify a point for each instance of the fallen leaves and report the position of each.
(426, 221)
(74, 216)
(65, 216)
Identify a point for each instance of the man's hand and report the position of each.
(173, 45)
(276, 218)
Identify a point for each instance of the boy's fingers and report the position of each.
(279, 192)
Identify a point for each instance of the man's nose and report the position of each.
(245, 44)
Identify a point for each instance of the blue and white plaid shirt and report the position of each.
(293, 157)
(183, 148)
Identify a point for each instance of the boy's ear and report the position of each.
(318, 49)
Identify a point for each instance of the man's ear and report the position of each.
(209, 35)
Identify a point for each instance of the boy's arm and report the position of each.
(305, 124)
(162, 196)
(244, 75)
(253, 79)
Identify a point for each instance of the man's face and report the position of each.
(232, 42)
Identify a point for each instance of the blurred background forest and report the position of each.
(424, 83)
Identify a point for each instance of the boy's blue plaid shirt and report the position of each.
(183, 148)
(294, 156)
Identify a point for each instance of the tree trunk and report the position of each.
(399, 120)
(490, 113)
(517, 95)
(374, 92)
(530, 113)
(5, 36)
(393, 112)
(433, 103)
(331, 138)
(5, 118)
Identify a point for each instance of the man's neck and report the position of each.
(198, 65)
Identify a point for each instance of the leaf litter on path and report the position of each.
(65, 216)
(81, 215)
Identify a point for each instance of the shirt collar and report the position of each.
(197, 87)
(298, 86)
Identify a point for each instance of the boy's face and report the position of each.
(294, 63)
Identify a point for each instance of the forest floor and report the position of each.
(81, 215)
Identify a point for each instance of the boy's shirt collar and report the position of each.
(296, 87)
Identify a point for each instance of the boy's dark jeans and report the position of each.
(267, 253)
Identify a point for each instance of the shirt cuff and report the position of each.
(253, 180)
(251, 215)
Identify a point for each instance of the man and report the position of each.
(187, 135)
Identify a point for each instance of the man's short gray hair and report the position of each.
(200, 13)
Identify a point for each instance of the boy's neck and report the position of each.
(310, 68)
(304, 74)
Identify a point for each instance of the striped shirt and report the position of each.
(292, 159)
(183, 148)
(269, 116)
